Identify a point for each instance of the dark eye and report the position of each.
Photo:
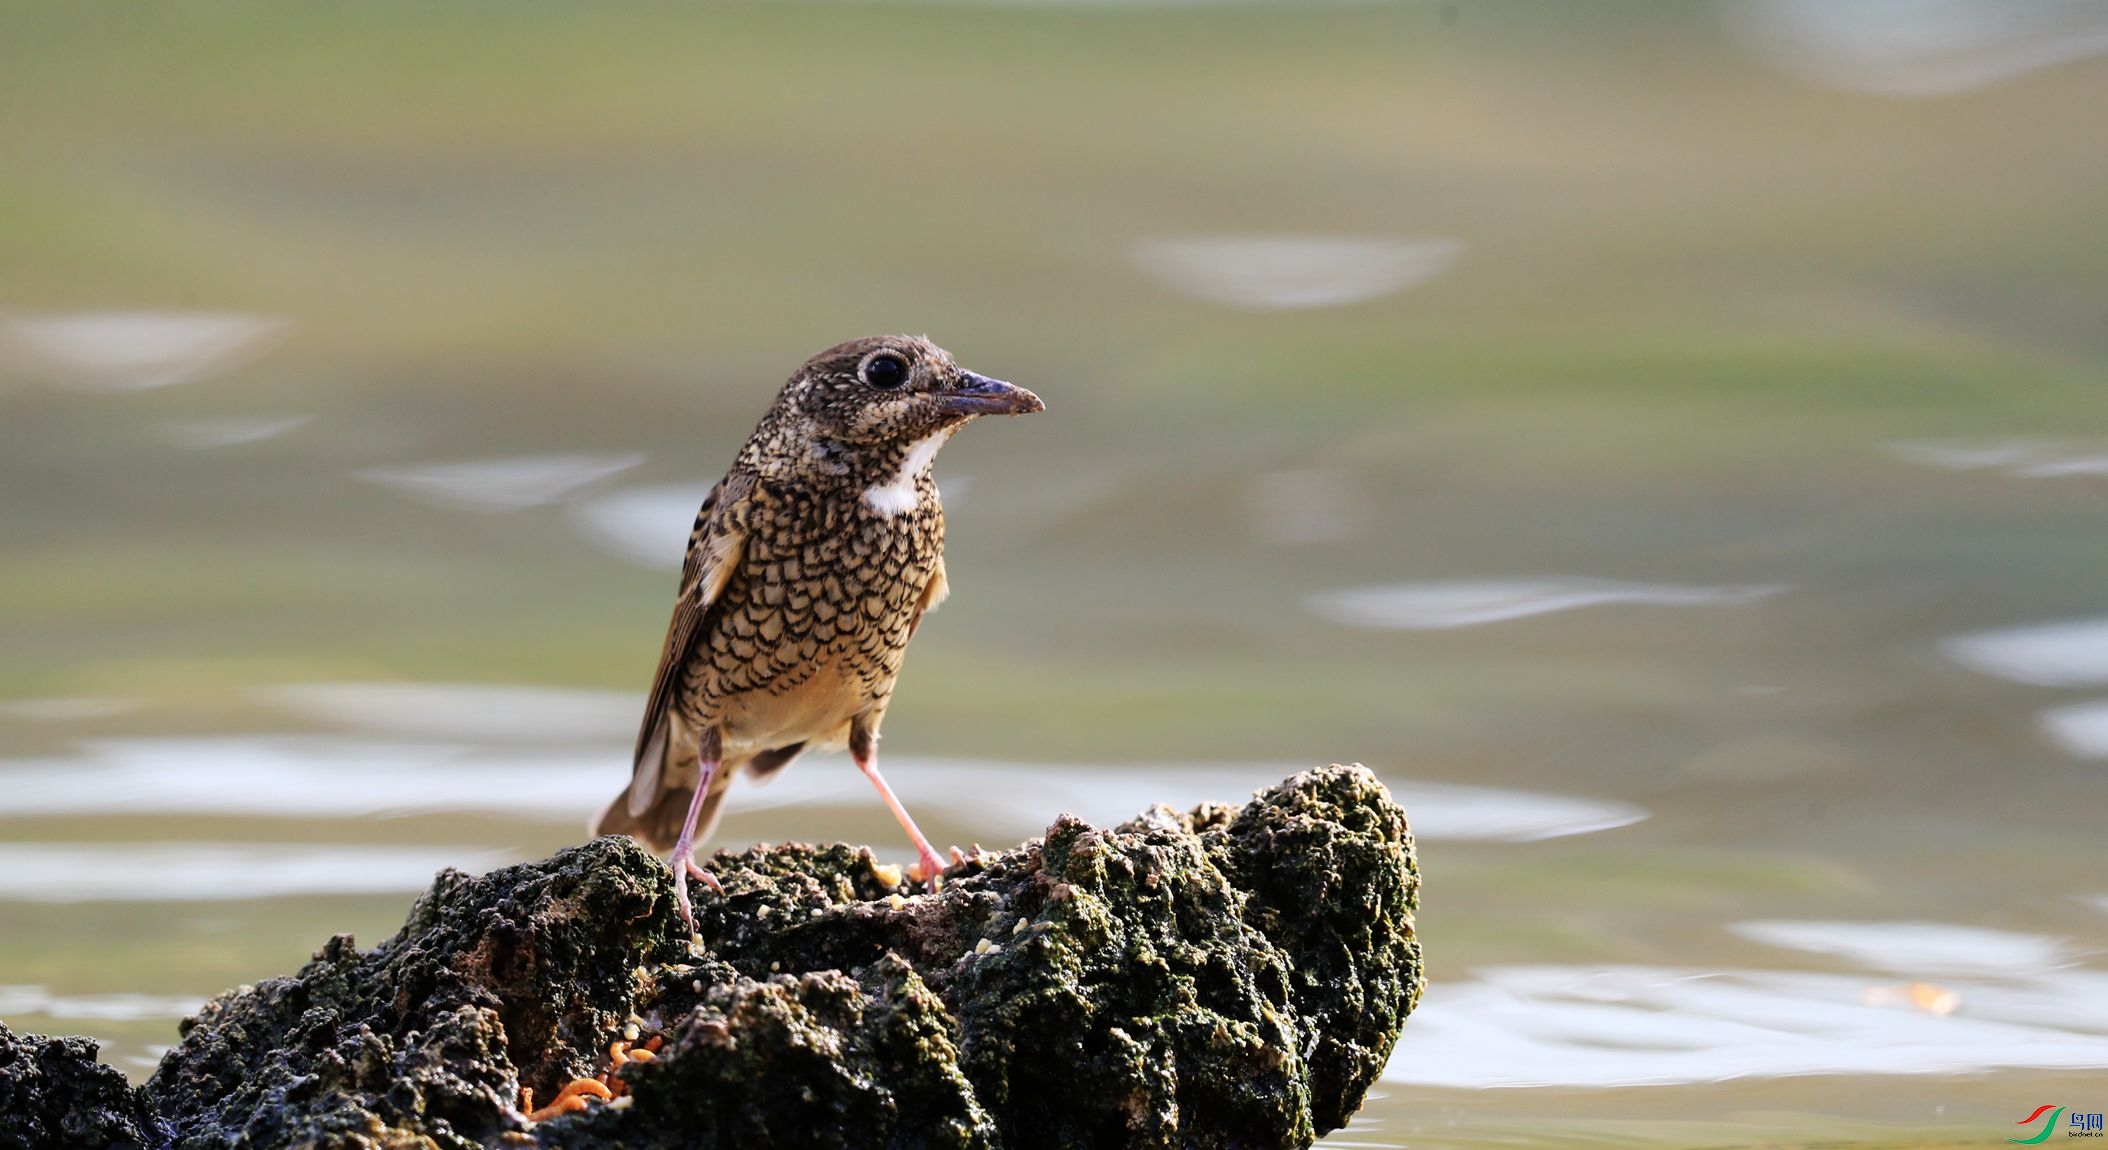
(888, 371)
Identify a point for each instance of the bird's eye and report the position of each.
(886, 370)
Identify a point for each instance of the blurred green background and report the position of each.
(1699, 410)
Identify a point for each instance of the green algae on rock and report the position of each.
(1225, 977)
(512, 978)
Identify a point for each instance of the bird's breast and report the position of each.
(814, 630)
(815, 710)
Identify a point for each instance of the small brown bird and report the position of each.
(811, 564)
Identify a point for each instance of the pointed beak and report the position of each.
(980, 395)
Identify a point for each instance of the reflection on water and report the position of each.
(1293, 271)
(468, 710)
(646, 525)
(1919, 47)
(164, 871)
(1914, 947)
(1106, 795)
(210, 434)
(501, 484)
(1442, 811)
(1365, 1130)
(2072, 653)
(1645, 1025)
(2081, 729)
(16, 1001)
(2005, 999)
(2019, 458)
(322, 776)
(133, 351)
(2069, 653)
(1466, 603)
(297, 777)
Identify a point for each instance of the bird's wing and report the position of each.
(715, 549)
(933, 593)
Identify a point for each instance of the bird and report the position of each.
(810, 566)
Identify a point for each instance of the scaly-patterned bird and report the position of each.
(811, 565)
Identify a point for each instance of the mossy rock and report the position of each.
(1224, 977)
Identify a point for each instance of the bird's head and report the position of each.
(894, 389)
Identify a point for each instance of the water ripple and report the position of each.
(332, 777)
(1914, 947)
(501, 484)
(16, 1001)
(645, 525)
(2018, 458)
(478, 711)
(1284, 272)
(1436, 606)
(2081, 729)
(2068, 653)
(233, 431)
(159, 872)
(1918, 47)
(134, 351)
(1572, 1026)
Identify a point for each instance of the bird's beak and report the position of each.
(980, 395)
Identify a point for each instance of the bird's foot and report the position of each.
(682, 872)
(929, 869)
(680, 896)
(706, 878)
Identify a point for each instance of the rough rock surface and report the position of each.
(53, 1094)
(1225, 977)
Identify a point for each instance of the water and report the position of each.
(1273, 272)
(137, 350)
(1666, 445)
(1467, 603)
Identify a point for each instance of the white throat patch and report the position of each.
(897, 496)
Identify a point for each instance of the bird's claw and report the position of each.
(706, 878)
(680, 899)
(682, 872)
(929, 869)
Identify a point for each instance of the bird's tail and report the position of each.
(654, 806)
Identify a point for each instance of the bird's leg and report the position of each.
(683, 860)
(863, 747)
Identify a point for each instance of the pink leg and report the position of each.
(865, 751)
(683, 860)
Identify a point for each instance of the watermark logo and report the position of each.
(2077, 1125)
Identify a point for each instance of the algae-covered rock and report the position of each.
(1226, 977)
(54, 1095)
(515, 977)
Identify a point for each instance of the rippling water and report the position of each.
(1293, 271)
(1436, 606)
(137, 350)
(1665, 443)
